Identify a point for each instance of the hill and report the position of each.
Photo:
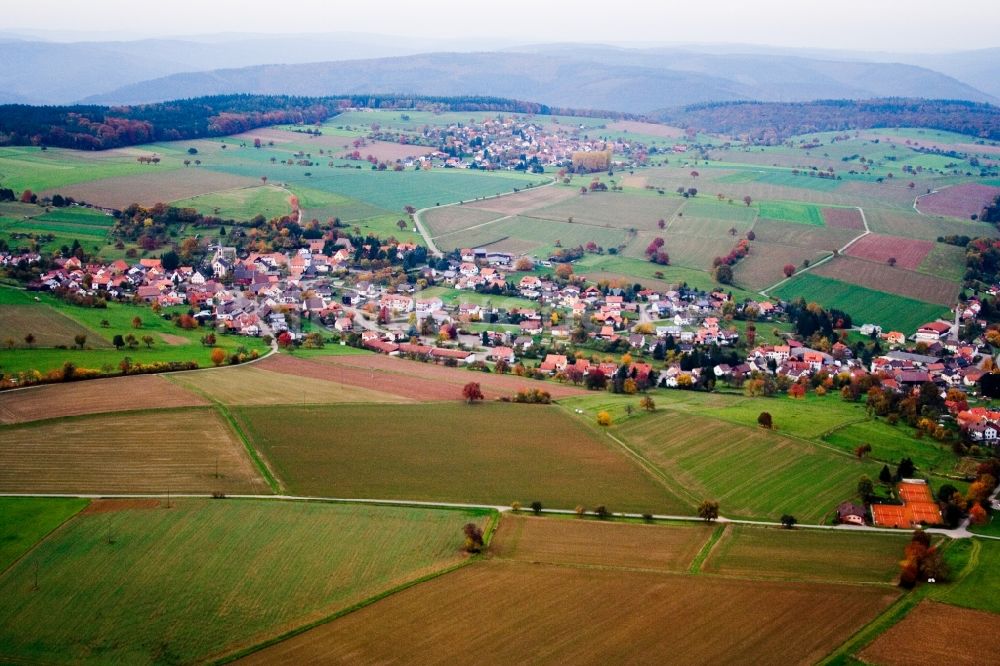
(626, 80)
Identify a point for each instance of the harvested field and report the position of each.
(843, 218)
(907, 252)
(763, 266)
(253, 386)
(934, 634)
(910, 224)
(117, 505)
(385, 151)
(801, 235)
(409, 379)
(885, 278)
(455, 452)
(526, 200)
(450, 219)
(589, 616)
(961, 201)
(115, 394)
(204, 578)
(620, 210)
(801, 554)
(688, 250)
(151, 452)
(49, 326)
(753, 473)
(595, 543)
(546, 234)
(155, 186)
(650, 129)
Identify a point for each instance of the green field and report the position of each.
(456, 296)
(241, 203)
(489, 453)
(897, 313)
(205, 578)
(789, 211)
(24, 521)
(892, 443)
(774, 475)
(36, 169)
(179, 345)
(802, 554)
(644, 272)
(980, 588)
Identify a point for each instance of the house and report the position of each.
(459, 355)
(849, 513)
(933, 332)
(502, 353)
(553, 363)
(344, 324)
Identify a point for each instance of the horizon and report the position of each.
(888, 27)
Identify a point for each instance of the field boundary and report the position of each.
(864, 220)
(706, 550)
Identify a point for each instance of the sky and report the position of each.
(870, 25)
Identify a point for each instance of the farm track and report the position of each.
(953, 534)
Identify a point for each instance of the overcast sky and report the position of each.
(873, 25)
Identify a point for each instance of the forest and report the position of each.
(90, 127)
(772, 122)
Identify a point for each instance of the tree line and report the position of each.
(94, 127)
(773, 122)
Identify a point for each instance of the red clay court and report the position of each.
(918, 507)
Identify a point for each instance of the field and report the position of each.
(908, 253)
(775, 475)
(892, 443)
(980, 589)
(936, 630)
(790, 211)
(205, 577)
(49, 327)
(843, 218)
(241, 203)
(488, 453)
(114, 394)
(814, 555)
(408, 379)
(27, 520)
(532, 235)
(864, 305)
(525, 200)
(910, 224)
(619, 210)
(252, 386)
(455, 219)
(154, 184)
(881, 277)
(584, 615)
(599, 544)
(962, 201)
(176, 451)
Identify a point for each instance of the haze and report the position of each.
(850, 24)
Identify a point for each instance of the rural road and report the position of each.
(960, 533)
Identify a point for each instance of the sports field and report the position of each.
(590, 615)
(162, 451)
(775, 475)
(206, 577)
(487, 453)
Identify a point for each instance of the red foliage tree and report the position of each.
(471, 392)
(788, 270)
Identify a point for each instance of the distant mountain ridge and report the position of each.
(627, 80)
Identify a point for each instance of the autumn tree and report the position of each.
(80, 339)
(603, 418)
(218, 356)
(647, 403)
(764, 420)
(747, 200)
(471, 392)
(148, 341)
(136, 322)
(797, 391)
(788, 270)
(708, 510)
(891, 261)
(564, 271)
(523, 264)
(863, 450)
(284, 339)
(473, 538)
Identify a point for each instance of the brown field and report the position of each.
(909, 253)
(116, 394)
(589, 616)
(620, 279)
(525, 200)
(49, 326)
(253, 386)
(882, 277)
(685, 249)
(116, 505)
(813, 555)
(154, 186)
(843, 218)
(958, 200)
(387, 151)
(449, 219)
(935, 634)
(613, 209)
(763, 266)
(409, 379)
(595, 543)
(650, 129)
(801, 235)
(515, 246)
(151, 452)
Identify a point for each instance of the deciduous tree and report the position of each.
(218, 356)
(708, 510)
(471, 392)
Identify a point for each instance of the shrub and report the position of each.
(536, 507)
